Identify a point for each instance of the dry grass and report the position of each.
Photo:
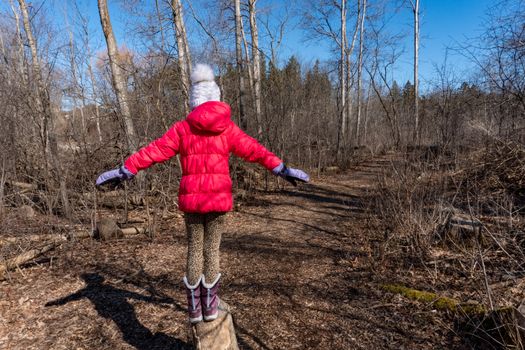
(457, 223)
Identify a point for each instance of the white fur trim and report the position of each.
(202, 72)
(211, 285)
(187, 284)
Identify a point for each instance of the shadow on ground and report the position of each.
(112, 303)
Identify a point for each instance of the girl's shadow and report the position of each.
(112, 303)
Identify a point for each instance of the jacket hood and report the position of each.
(210, 117)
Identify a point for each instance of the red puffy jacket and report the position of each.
(204, 141)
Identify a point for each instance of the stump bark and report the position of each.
(108, 229)
(218, 334)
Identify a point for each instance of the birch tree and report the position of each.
(342, 80)
(415, 9)
(184, 58)
(360, 71)
(320, 21)
(256, 65)
(238, 53)
(117, 76)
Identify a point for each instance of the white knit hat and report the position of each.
(203, 86)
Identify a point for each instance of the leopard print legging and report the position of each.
(204, 238)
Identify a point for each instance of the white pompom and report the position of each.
(202, 72)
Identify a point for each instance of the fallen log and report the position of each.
(24, 258)
(332, 170)
(217, 334)
(55, 239)
(131, 231)
(34, 238)
(22, 186)
(437, 302)
(80, 234)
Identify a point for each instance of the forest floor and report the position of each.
(296, 270)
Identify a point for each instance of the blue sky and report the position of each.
(444, 23)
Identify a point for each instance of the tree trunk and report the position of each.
(21, 66)
(247, 61)
(360, 73)
(415, 7)
(365, 116)
(11, 131)
(47, 130)
(256, 66)
(342, 79)
(118, 77)
(184, 57)
(349, 49)
(41, 99)
(238, 53)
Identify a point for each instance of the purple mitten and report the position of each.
(114, 176)
(290, 174)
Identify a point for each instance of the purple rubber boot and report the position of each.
(209, 299)
(194, 300)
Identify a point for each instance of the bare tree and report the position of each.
(275, 33)
(343, 79)
(382, 63)
(256, 65)
(319, 20)
(240, 69)
(247, 61)
(415, 10)
(161, 27)
(10, 127)
(360, 71)
(43, 103)
(76, 87)
(118, 77)
(184, 56)
(20, 46)
(91, 76)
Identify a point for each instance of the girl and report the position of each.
(204, 141)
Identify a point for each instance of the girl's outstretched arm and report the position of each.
(158, 151)
(250, 150)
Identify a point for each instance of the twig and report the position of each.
(486, 281)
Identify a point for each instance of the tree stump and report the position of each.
(216, 335)
(108, 229)
(459, 228)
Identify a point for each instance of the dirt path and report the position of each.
(295, 269)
